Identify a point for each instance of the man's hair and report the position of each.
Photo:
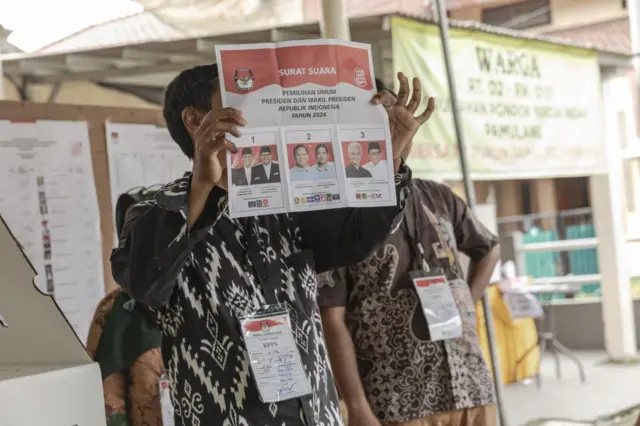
(297, 147)
(354, 144)
(194, 88)
(381, 87)
(321, 146)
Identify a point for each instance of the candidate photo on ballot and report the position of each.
(312, 161)
(252, 169)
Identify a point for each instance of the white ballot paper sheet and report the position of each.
(313, 139)
(522, 303)
(48, 198)
(141, 155)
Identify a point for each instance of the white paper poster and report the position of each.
(48, 199)
(309, 118)
(141, 155)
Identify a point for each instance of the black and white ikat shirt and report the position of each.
(199, 281)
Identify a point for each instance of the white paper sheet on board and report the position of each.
(48, 198)
(141, 155)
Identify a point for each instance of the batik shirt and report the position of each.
(201, 280)
(405, 375)
(131, 397)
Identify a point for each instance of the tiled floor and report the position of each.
(608, 389)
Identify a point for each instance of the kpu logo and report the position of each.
(244, 79)
(359, 77)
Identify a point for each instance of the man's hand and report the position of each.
(211, 146)
(402, 120)
(210, 150)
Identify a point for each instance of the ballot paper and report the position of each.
(313, 138)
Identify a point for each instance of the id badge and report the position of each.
(166, 407)
(438, 304)
(275, 360)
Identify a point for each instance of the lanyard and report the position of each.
(415, 240)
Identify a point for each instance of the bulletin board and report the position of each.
(95, 116)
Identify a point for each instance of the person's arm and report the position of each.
(343, 237)
(113, 386)
(158, 236)
(480, 273)
(474, 240)
(332, 299)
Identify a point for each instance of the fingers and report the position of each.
(224, 114)
(416, 96)
(403, 92)
(226, 127)
(232, 115)
(210, 135)
(431, 105)
(383, 98)
(220, 144)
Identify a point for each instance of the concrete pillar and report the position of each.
(482, 191)
(335, 20)
(4, 34)
(508, 202)
(481, 188)
(608, 214)
(544, 200)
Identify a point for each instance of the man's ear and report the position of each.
(191, 118)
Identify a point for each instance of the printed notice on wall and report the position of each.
(141, 155)
(313, 139)
(48, 199)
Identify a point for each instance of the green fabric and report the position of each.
(119, 419)
(127, 334)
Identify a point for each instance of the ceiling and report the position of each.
(153, 55)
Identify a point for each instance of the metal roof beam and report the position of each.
(102, 74)
(207, 45)
(34, 66)
(88, 62)
(287, 35)
(615, 61)
(156, 55)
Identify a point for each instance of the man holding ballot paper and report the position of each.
(235, 297)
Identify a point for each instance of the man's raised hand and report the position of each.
(403, 123)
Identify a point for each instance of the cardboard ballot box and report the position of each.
(46, 376)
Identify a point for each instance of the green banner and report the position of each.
(529, 108)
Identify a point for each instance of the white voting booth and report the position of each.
(46, 375)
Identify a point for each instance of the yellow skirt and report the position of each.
(513, 338)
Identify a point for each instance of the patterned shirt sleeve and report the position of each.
(144, 391)
(342, 237)
(332, 288)
(155, 242)
(114, 386)
(472, 237)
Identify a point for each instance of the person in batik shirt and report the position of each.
(201, 271)
(387, 369)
